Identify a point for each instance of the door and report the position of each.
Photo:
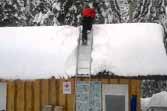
(88, 96)
(115, 97)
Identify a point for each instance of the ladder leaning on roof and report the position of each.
(84, 60)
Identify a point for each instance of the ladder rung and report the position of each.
(83, 68)
(82, 75)
(84, 59)
(84, 55)
(82, 65)
(85, 50)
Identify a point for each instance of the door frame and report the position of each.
(115, 89)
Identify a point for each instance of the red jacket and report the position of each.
(89, 12)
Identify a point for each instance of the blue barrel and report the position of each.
(133, 103)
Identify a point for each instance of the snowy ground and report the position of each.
(42, 52)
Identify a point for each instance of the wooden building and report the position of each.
(120, 93)
(34, 95)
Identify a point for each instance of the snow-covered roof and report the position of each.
(129, 49)
(158, 100)
(42, 52)
(36, 52)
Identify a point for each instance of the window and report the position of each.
(115, 97)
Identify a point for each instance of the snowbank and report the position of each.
(158, 100)
(144, 103)
(42, 52)
(129, 49)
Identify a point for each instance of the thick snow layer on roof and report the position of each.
(42, 52)
(129, 49)
(35, 52)
(158, 100)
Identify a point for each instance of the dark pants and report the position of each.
(87, 25)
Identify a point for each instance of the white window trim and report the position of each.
(115, 89)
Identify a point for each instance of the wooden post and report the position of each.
(52, 91)
(11, 96)
(62, 98)
(36, 91)
(20, 96)
(44, 92)
(71, 97)
(28, 96)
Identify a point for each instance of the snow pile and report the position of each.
(158, 100)
(35, 52)
(144, 103)
(42, 52)
(129, 49)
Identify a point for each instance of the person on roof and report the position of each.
(88, 16)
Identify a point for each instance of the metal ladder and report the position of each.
(84, 60)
